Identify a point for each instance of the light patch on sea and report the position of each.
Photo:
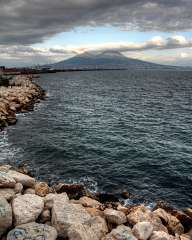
(7, 151)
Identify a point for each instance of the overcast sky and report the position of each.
(43, 31)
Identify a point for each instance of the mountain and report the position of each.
(105, 60)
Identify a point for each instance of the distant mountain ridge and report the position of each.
(105, 60)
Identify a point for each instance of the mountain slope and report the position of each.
(104, 60)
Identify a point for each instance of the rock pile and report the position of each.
(19, 96)
(34, 210)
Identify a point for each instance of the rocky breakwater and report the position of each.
(34, 210)
(19, 96)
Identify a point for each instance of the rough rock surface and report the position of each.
(27, 208)
(115, 217)
(5, 215)
(25, 180)
(66, 215)
(7, 193)
(6, 181)
(143, 214)
(89, 202)
(33, 231)
(159, 235)
(172, 223)
(142, 230)
(58, 199)
(41, 189)
(122, 232)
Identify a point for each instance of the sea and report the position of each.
(113, 131)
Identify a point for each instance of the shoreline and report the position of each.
(70, 211)
(19, 96)
(30, 209)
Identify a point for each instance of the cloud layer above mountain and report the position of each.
(32, 21)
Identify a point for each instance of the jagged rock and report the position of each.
(122, 232)
(27, 208)
(66, 215)
(188, 211)
(7, 193)
(33, 231)
(172, 223)
(95, 212)
(6, 181)
(18, 188)
(142, 230)
(115, 217)
(25, 180)
(41, 189)
(93, 229)
(185, 237)
(29, 191)
(122, 209)
(143, 214)
(5, 215)
(89, 202)
(160, 235)
(57, 198)
(74, 190)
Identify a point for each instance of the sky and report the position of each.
(35, 32)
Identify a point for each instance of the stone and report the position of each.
(89, 202)
(94, 229)
(74, 190)
(122, 232)
(160, 235)
(142, 230)
(185, 237)
(18, 188)
(188, 211)
(122, 209)
(41, 189)
(57, 198)
(27, 208)
(95, 212)
(5, 215)
(25, 180)
(33, 231)
(7, 193)
(172, 223)
(143, 214)
(6, 181)
(29, 191)
(114, 216)
(66, 215)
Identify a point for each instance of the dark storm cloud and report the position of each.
(32, 21)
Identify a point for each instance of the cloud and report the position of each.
(31, 55)
(32, 21)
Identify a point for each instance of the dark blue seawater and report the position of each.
(112, 130)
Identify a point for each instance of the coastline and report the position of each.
(19, 96)
(34, 210)
(105, 216)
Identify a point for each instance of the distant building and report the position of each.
(9, 71)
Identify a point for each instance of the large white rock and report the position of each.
(122, 232)
(114, 216)
(143, 214)
(25, 180)
(5, 215)
(7, 193)
(142, 230)
(50, 198)
(27, 208)
(94, 229)
(6, 181)
(160, 235)
(89, 202)
(33, 231)
(66, 215)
